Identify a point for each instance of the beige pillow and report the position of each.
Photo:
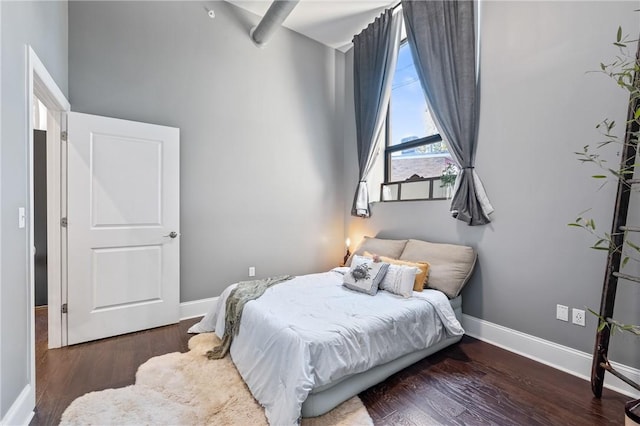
(451, 264)
(379, 246)
(420, 281)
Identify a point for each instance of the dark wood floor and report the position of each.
(64, 374)
(471, 383)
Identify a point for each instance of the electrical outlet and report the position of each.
(562, 312)
(578, 317)
(252, 271)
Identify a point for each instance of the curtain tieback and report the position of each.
(470, 167)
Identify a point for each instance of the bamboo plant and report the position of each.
(624, 70)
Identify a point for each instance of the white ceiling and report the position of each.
(331, 22)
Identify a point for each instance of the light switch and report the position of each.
(562, 312)
(21, 217)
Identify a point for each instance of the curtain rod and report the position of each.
(396, 5)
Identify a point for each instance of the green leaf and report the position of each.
(600, 248)
(633, 246)
(636, 115)
(620, 44)
(619, 35)
(599, 176)
(624, 262)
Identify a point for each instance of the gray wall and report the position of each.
(261, 159)
(43, 25)
(264, 167)
(538, 106)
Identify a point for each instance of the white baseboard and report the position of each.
(21, 411)
(569, 360)
(196, 308)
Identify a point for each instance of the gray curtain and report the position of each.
(375, 53)
(442, 39)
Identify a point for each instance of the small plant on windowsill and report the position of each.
(448, 178)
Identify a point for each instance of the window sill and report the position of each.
(416, 188)
(404, 201)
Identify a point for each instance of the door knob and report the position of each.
(171, 234)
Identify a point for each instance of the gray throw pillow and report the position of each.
(365, 275)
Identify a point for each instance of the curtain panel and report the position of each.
(375, 53)
(441, 36)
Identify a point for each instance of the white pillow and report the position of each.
(399, 280)
(365, 275)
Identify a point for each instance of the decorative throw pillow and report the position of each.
(421, 278)
(365, 275)
(399, 280)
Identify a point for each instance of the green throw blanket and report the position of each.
(243, 293)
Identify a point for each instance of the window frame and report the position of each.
(427, 140)
(412, 179)
(390, 149)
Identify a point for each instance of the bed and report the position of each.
(309, 343)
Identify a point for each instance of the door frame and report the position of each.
(41, 84)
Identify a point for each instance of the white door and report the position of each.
(122, 227)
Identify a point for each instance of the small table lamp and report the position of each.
(346, 256)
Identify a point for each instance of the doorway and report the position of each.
(46, 110)
(151, 202)
(40, 202)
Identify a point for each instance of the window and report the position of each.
(415, 155)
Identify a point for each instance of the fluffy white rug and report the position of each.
(189, 389)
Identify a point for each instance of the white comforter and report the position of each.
(311, 331)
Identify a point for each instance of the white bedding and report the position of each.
(311, 331)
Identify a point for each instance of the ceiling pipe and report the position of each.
(271, 21)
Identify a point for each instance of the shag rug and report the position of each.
(189, 389)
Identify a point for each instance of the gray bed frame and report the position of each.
(325, 398)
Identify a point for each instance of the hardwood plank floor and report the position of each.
(471, 383)
(64, 374)
(475, 383)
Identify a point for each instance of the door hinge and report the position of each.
(64, 308)
(63, 222)
(63, 135)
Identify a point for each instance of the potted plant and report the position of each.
(448, 178)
